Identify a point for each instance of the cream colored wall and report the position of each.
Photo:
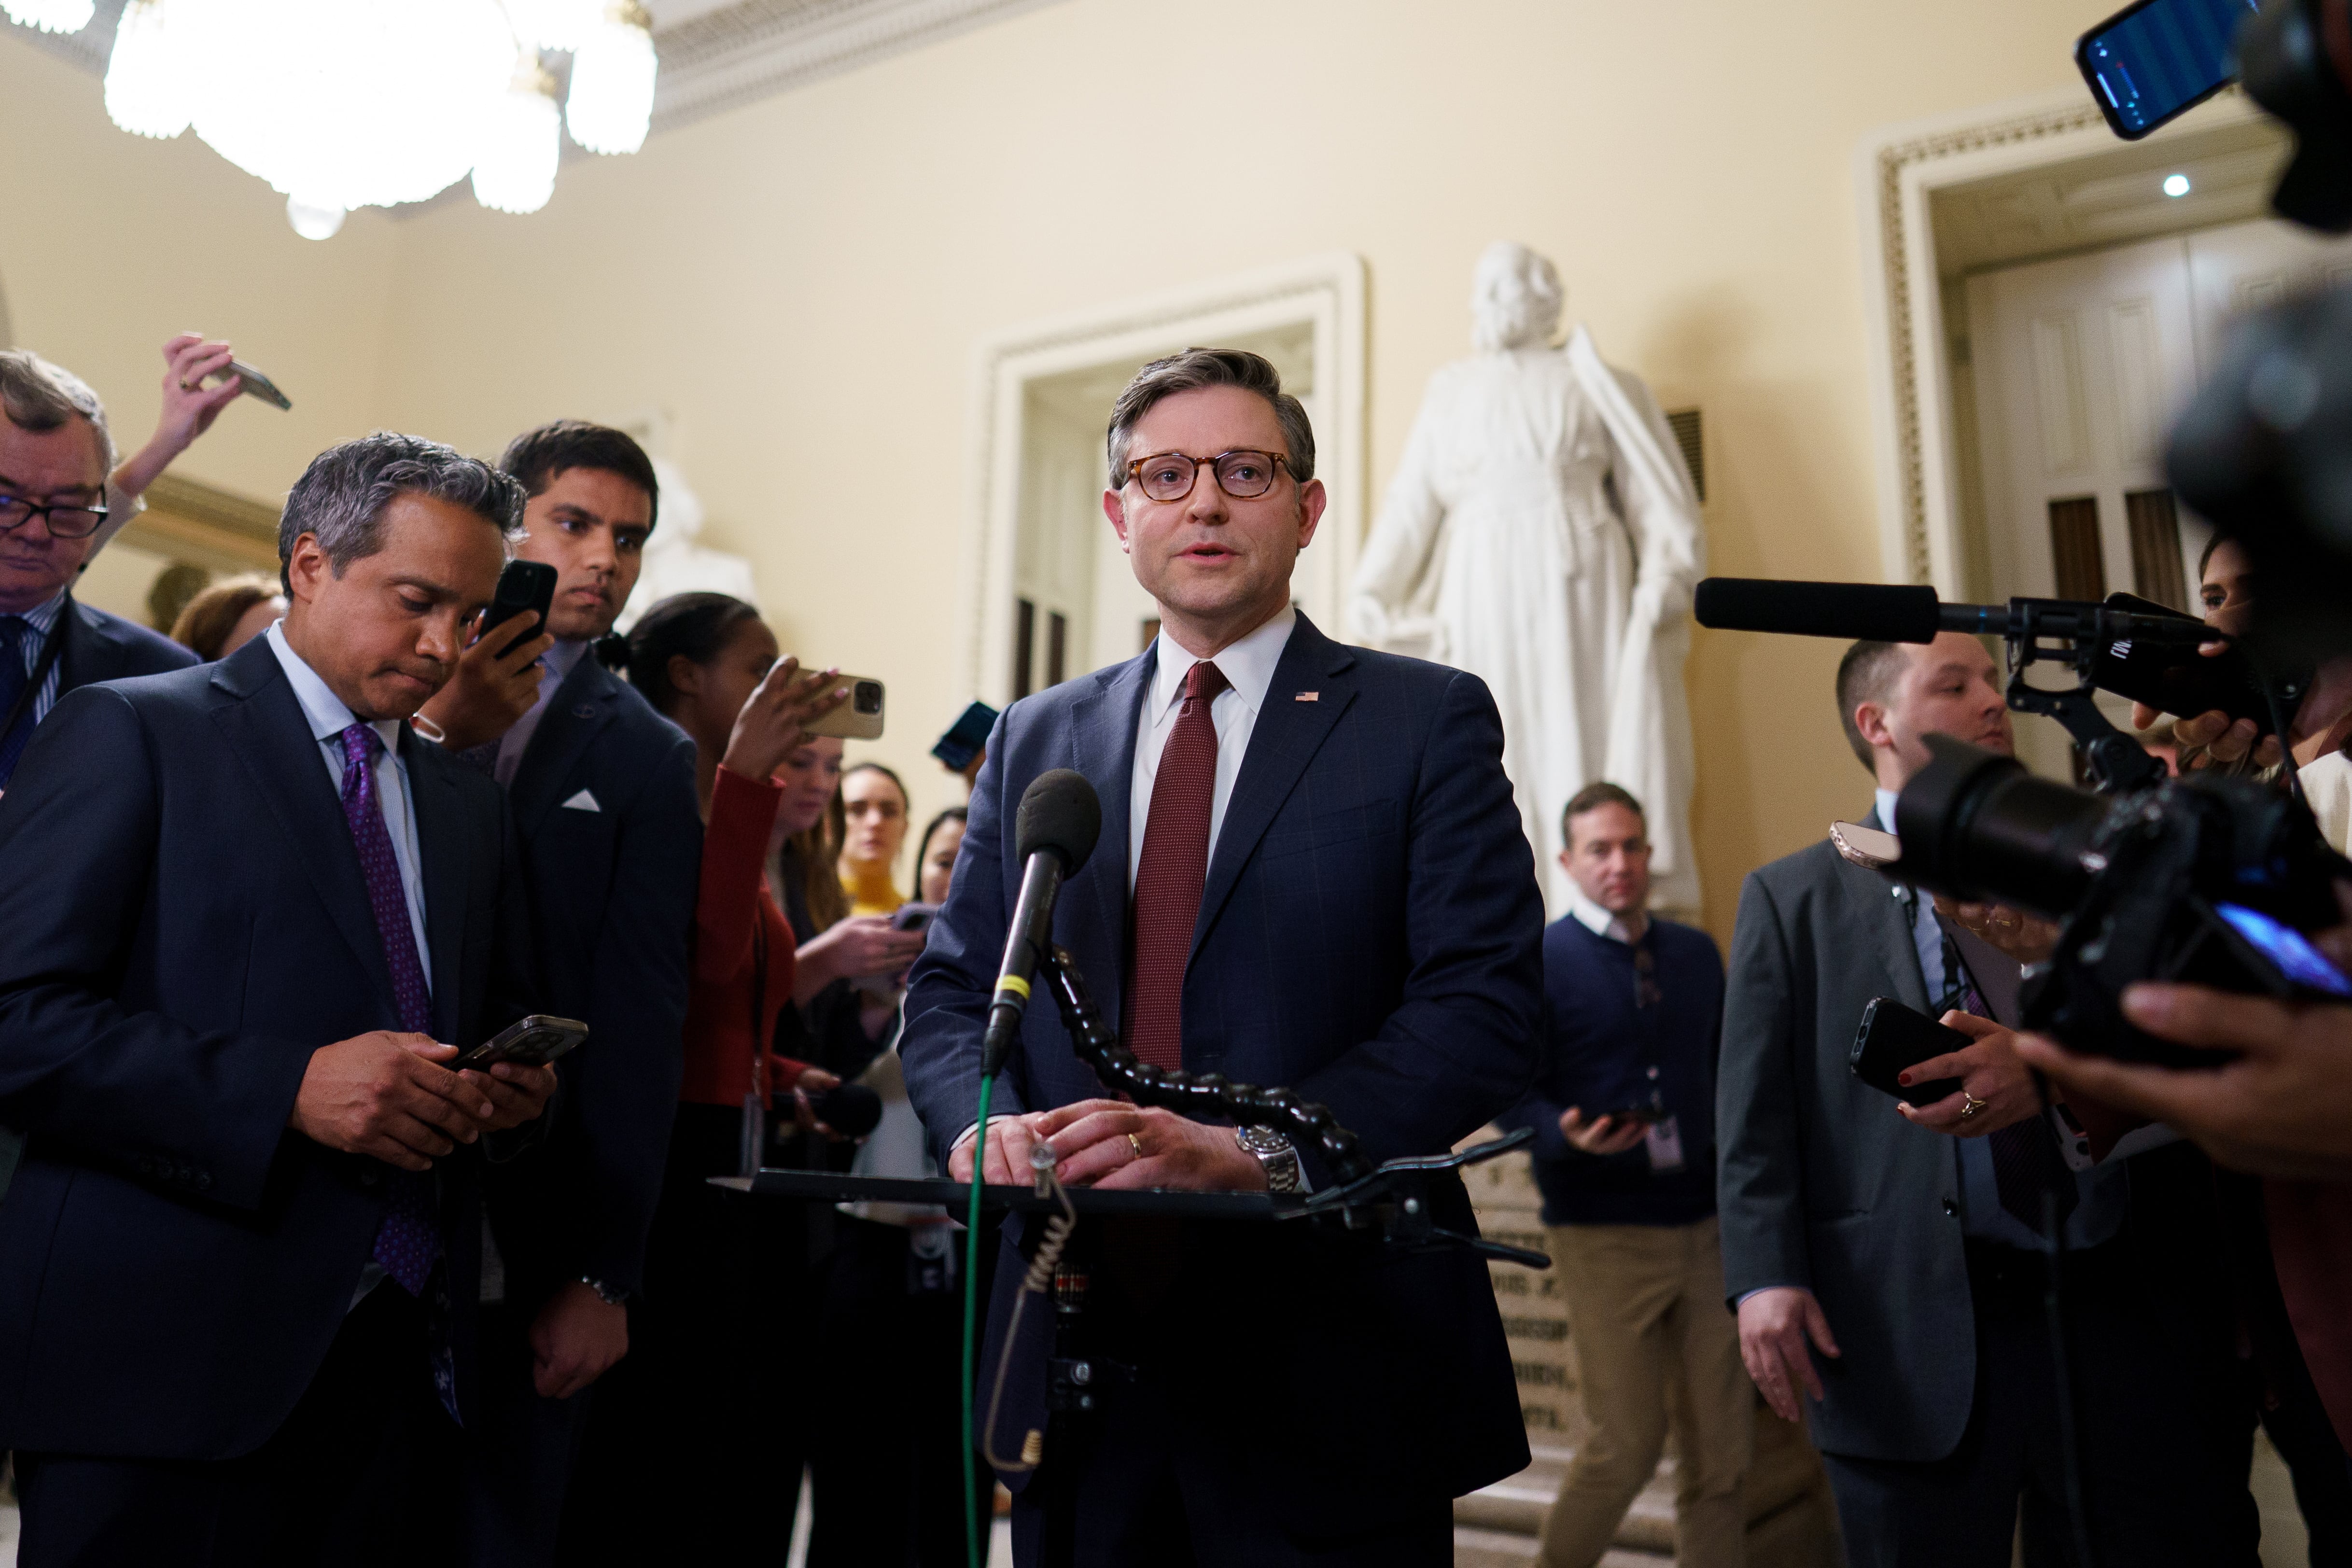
(798, 283)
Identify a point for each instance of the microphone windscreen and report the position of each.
(850, 1109)
(1059, 812)
(1878, 611)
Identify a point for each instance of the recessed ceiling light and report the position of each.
(2175, 185)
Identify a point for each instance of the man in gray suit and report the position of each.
(1896, 1274)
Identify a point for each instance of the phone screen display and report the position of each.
(2288, 949)
(2151, 61)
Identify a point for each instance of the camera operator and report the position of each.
(1914, 1266)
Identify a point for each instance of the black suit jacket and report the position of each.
(610, 837)
(182, 923)
(1370, 935)
(100, 646)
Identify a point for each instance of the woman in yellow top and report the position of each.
(873, 804)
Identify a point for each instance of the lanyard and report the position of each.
(52, 647)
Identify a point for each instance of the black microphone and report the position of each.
(1882, 612)
(1059, 820)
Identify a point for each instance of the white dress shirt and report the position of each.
(328, 718)
(1248, 668)
(1628, 928)
(555, 666)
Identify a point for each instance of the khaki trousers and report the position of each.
(1646, 1315)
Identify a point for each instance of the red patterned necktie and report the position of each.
(1172, 872)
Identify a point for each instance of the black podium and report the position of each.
(819, 1186)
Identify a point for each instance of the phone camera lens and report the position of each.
(867, 696)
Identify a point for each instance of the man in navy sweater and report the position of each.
(1624, 1155)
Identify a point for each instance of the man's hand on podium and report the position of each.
(1112, 1145)
(1109, 1144)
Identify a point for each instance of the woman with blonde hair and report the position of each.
(226, 615)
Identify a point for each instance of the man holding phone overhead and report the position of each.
(603, 797)
(1896, 1276)
(1624, 1113)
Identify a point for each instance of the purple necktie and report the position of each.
(408, 1243)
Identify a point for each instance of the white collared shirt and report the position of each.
(1248, 668)
(328, 718)
(1628, 929)
(555, 666)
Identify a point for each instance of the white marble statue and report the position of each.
(1543, 534)
(675, 561)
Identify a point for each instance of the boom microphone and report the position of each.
(1882, 612)
(1850, 610)
(1055, 831)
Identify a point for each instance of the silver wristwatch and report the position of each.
(606, 1293)
(1274, 1151)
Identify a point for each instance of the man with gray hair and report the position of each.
(249, 920)
(62, 496)
(1328, 888)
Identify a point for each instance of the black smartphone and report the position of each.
(525, 588)
(534, 1042)
(2158, 59)
(1644, 1114)
(1894, 1038)
(913, 917)
(2174, 678)
(965, 737)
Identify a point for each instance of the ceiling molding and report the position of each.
(758, 48)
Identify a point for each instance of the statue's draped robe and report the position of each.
(1543, 534)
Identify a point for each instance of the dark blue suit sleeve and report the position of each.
(627, 1092)
(948, 990)
(1760, 1166)
(78, 833)
(1460, 1047)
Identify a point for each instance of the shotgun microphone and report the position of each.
(1882, 612)
(1059, 820)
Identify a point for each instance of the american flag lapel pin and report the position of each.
(1308, 697)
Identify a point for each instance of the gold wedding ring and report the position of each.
(1135, 1143)
(1972, 1107)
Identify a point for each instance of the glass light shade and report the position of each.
(50, 16)
(312, 221)
(347, 103)
(612, 100)
(522, 139)
(146, 82)
(559, 25)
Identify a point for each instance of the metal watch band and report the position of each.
(1275, 1153)
(606, 1293)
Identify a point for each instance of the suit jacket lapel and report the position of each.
(265, 728)
(1283, 742)
(1103, 724)
(583, 705)
(82, 660)
(441, 846)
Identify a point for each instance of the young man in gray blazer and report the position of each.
(1887, 1259)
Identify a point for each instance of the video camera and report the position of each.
(2202, 879)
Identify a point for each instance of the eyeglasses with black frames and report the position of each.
(1242, 473)
(65, 520)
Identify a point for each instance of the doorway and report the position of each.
(1047, 596)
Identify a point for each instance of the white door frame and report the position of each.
(1325, 292)
(1896, 170)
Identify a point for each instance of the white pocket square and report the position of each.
(583, 801)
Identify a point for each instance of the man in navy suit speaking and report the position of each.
(249, 918)
(1311, 873)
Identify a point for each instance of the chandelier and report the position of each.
(350, 103)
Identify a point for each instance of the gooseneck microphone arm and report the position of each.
(1032, 918)
(1202, 1094)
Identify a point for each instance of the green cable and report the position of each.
(976, 1540)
